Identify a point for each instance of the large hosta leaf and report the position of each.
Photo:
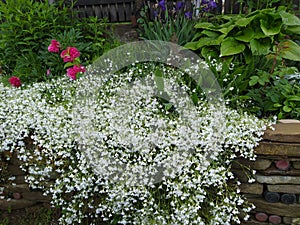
(290, 50)
(246, 35)
(230, 46)
(270, 27)
(260, 46)
(244, 21)
(203, 25)
(293, 29)
(289, 19)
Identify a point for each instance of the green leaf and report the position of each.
(226, 29)
(290, 50)
(287, 108)
(211, 34)
(246, 35)
(260, 46)
(289, 19)
(253, 80)
(230, 46)
(205, 41)
(168, 106)
(159, 80)
(195, 98)
(277, 105)
(244, 21)
(192, 45)
(293, 29)
(270, 28)
(68, 64)
(204, 25)
(293, 98)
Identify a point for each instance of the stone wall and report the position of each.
(16, 193)
(275, 192)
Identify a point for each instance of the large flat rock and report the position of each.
(284, 188)
(278, 148)
(277, 179)
(280, 209)
(15, 204)
(284, 132)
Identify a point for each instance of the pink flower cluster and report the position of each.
(71, 56)
(72, 71)
(54, 46)
(15, 81)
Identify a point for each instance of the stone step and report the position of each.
(15, 204)
(278, 148)
(280, 209)
(277, 179)
(284, 132)
(284, 188)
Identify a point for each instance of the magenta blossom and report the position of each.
(72, 72)
(15, 81)
(70, 54)
(54, 46)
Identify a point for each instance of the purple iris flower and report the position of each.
(179, 5)
(162, 5)
(212, 4)
(188, 15)
(208, 5)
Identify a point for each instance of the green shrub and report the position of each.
(26, 25)
(26, 31)
(250, 54)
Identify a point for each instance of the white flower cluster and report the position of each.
(124, 152)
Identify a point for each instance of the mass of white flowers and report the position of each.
(124, 153)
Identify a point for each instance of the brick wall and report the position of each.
(275, 192)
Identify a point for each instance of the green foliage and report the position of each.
(278, 94)
(250, 5)
(26, 25)
(262, 32)
(98, 33)
(253, 52)
(174, 27)
(26, 31)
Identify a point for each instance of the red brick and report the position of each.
(261, 217)
(274, 219)
(283, 164)
(17, 195)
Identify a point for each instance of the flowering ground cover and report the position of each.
(194, 187)
(124, 148)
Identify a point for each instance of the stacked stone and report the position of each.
(15, 193)
(276, 190)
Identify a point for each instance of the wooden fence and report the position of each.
(122, 10)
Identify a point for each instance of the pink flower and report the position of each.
(70, 54)
(72, 72)
(54, 46)
(15, 81)
(48, 72)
